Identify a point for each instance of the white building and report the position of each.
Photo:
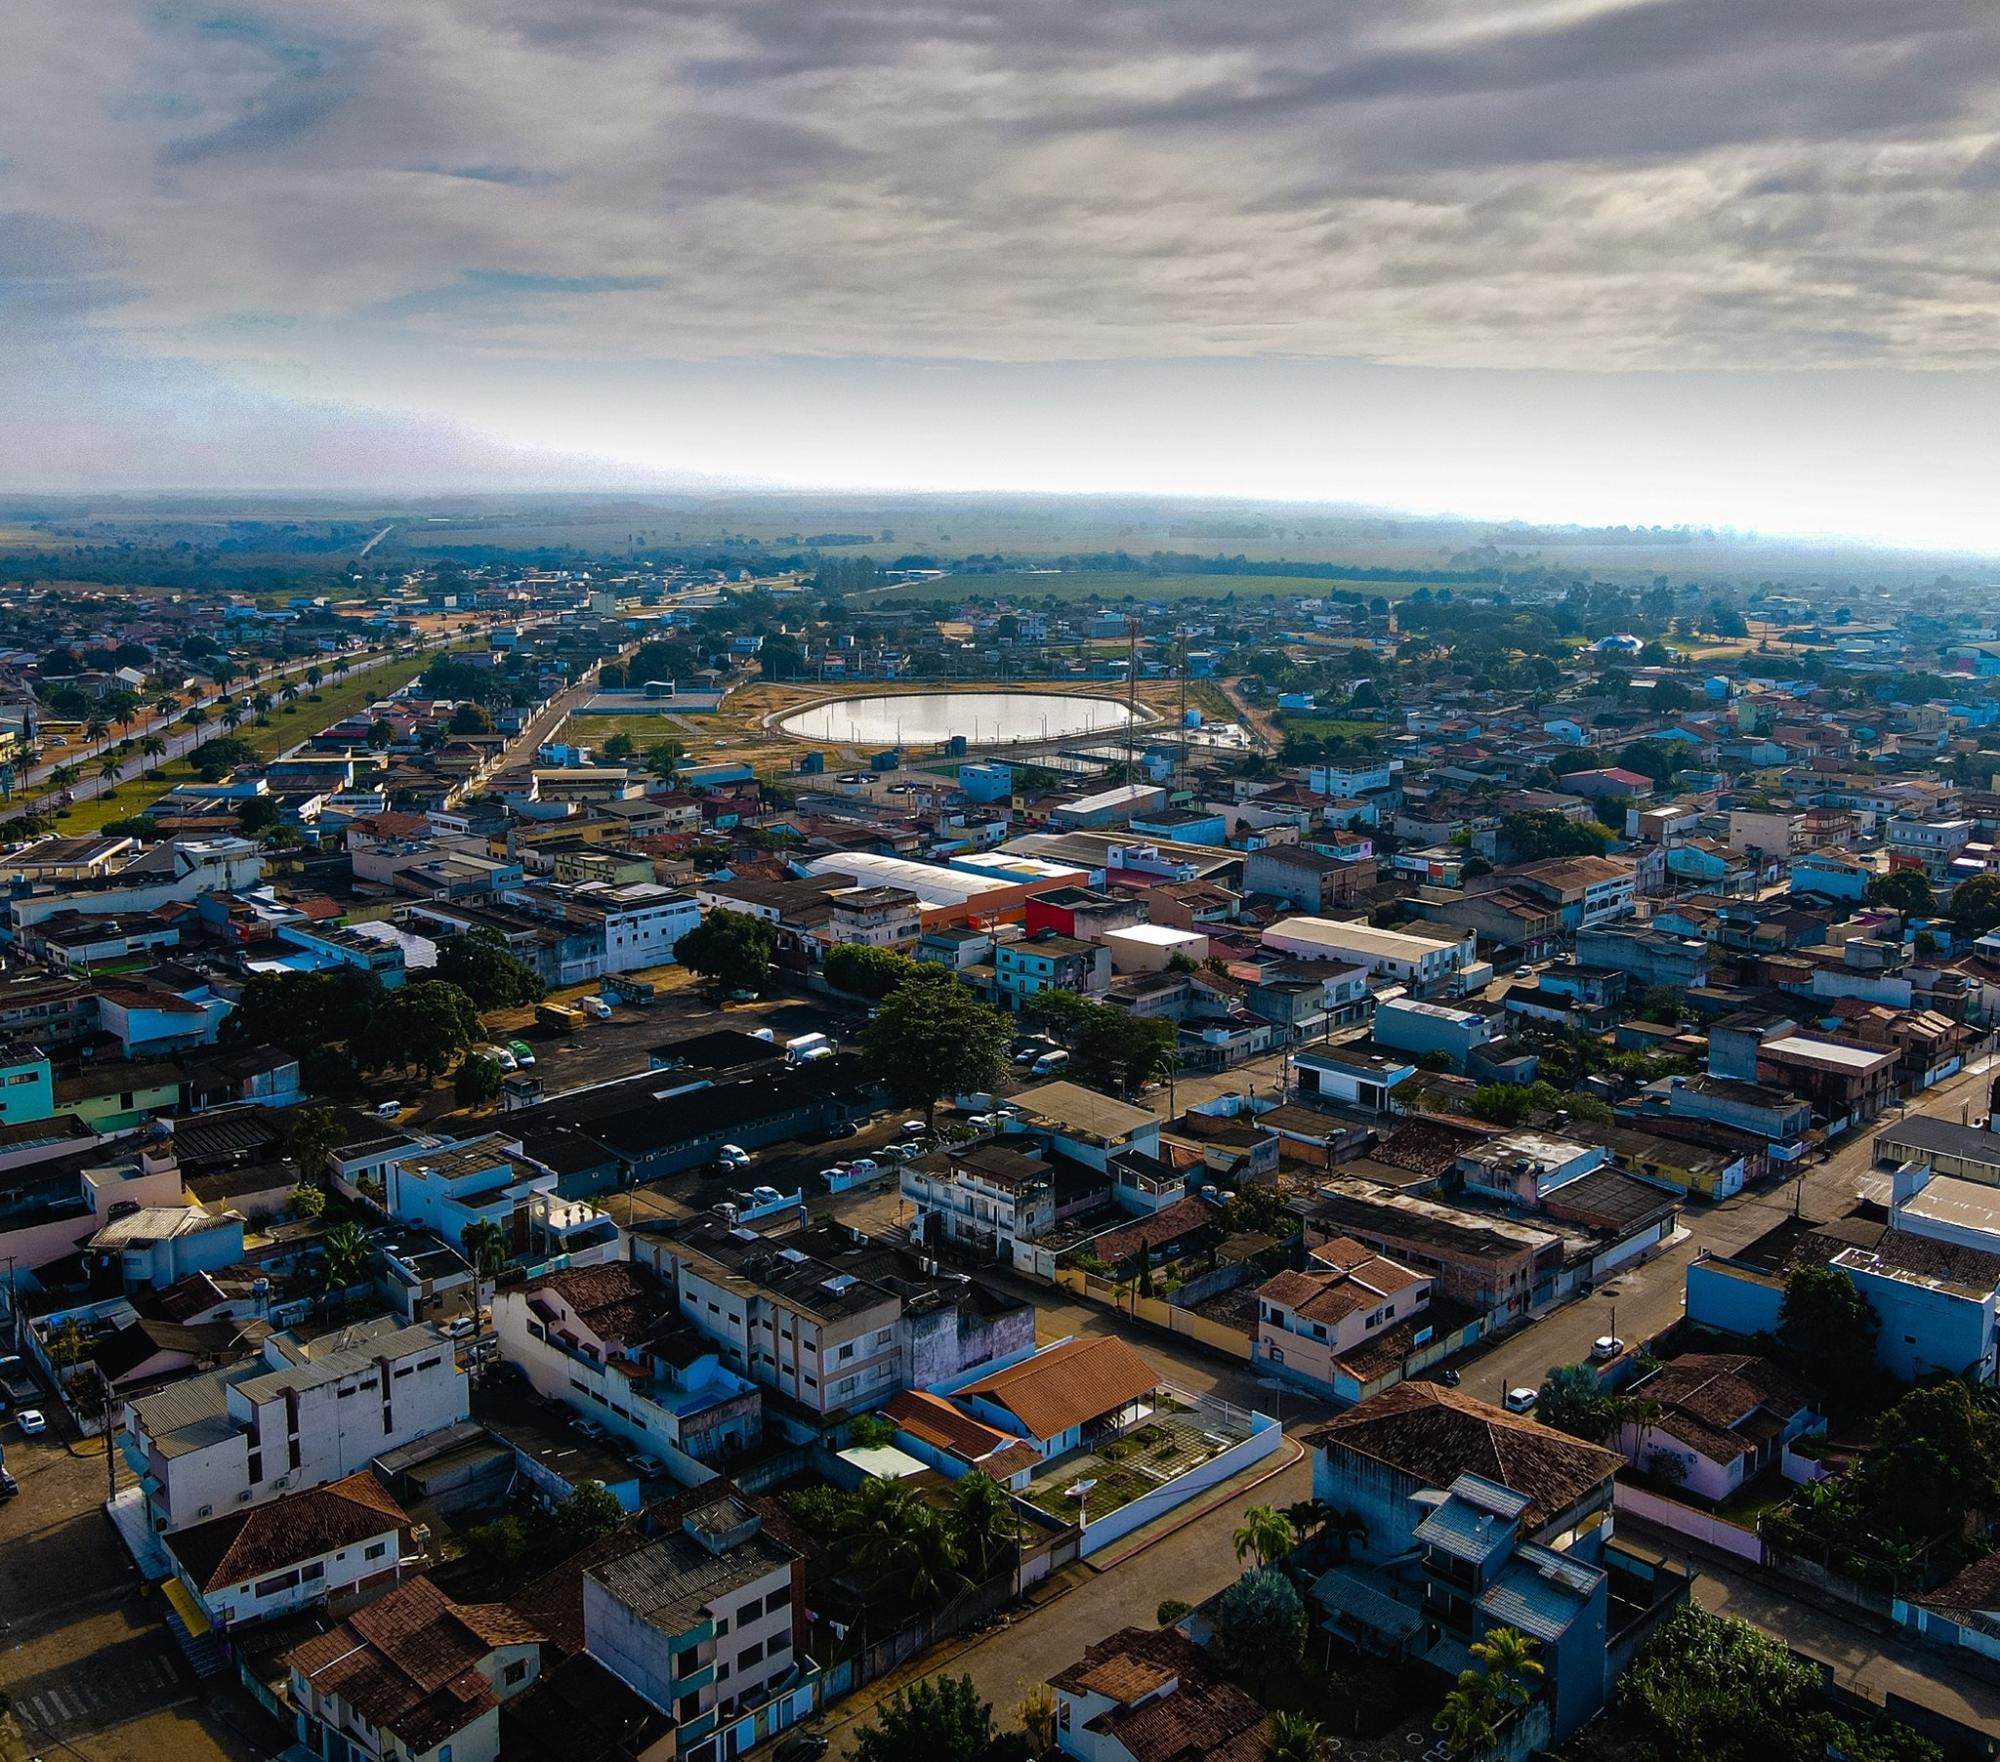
(1424, 963)
(986, 1197)
(706, 1622)
(477, 1180)
(1150, 948)
(1349, 781)
(341, 1540)
(303, 1414)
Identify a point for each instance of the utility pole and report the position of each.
(110, 1438)
(1131, 692)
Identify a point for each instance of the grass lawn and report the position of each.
(1073, 587)
(1331, 727)
(335, 699)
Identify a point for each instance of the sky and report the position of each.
(1730, 261)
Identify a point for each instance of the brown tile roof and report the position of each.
(1068, 1384)
(301, 1526)
(1169, 1224)
(1349, 1277)
(554, 1602)
(618, 1301)
(1434, 1435)
(945, 1427)
(1203, 1718)
(409, 1662)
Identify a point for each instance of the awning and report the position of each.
(193, 1617)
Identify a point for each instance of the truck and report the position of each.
(596, 1007)
(564, 1018)
(807, 1047)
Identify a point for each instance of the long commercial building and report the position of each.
(1424, 963)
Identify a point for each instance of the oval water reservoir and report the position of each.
(929, 718)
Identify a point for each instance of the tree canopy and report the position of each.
(941, 1719)
(1901, 890)
(1829, 1328)
(932, 1039)
(865, 971)
(1546, 833)
(481, 965)
(731, 950)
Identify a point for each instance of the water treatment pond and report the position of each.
(985, 718)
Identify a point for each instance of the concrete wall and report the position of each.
(1685, 1520)
(1733, 1299)
(1266, 1438)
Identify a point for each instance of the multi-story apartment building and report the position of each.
(984, 1197)
(707, 1622)
(638, 924)
(608, 1342)
(301, 1415)
(1050, 961)
(875, 917)
(1346, 1295)
(826, 1318)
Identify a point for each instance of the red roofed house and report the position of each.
(1050, 1398)
(292, 1553)
(1725, 1417)
(413, 1676)
(955, 1443)
(1347, 1294)
(1606, 783)
(1152, 1695)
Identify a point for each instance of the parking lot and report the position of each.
(87, 1661)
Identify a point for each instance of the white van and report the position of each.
(808, 1047)
(1051, 1062)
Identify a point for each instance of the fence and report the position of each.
(1266, 1437)
(1155, 1312)
(1685, 1520)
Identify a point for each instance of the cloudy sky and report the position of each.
(1732, 260)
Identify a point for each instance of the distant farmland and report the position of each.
(1073, 587)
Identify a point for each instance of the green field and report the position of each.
(1080, 587)
(333, 701)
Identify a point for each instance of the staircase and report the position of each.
(203, 1651)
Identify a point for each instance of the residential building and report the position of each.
(411, 1677)
(1583, 891)
(874, 917)
(459, 1183)
(1471, 1519)
(1050, 961)
(346, 1539)
(1409, 1024)
(1063, 1391)
(1307, 1321)
(1724, 1418)
(1349, 1078)
(1646, 957)
(827, 1319)
(608, 1342)
(1147, 1694)
(982, 1197)
(706, 1621)
(1307, 880)
(301, 1414)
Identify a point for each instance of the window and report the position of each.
(779, 1643)
(749, 1612)
(317, 1569)
(750, 1655)
(514, 1672)
(1277, 1355)
(374, 1550)
(431, 1364)
(781, 1598)
(403, 1370)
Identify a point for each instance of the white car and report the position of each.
(864, 1168)
(1520, 1400)
(587, 1428)
(651, 1467)
(766, 1195)
(912, 1128)
(31, 1421)
(458, 1327)
(1606, 1347)
(733, 1156)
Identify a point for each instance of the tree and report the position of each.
(932, 1038)
(1901, 890)
(1118, 1052)
(940, 1720)
(588, 1515)
(664, 758)
(1532, 837)
(67, 1344)
(983, 1520)
(345, 1256)
(1466, 1716)
(492, 1549)
(424, 1025)
(731, 950)
(1264, 1533)
(1037, 1712)
(314, 1135)
(865, 971)
(1572, 1400)
(469, 719)
(477, 1080)
(258, 815)
(309, 1201)
(1170, 1610)
(1829, 1328)
(480, 964)
(1260, 1625)
(1975, 905)
(1293, 1738)
(619, 748)
(1936, 1458)
(1508, 1658)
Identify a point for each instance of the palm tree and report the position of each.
(109, 766)
(1264, 1533)
(165, 705)
(1312, 1518)
(874, 1530)
(289, 692)
(485, 1245)
(261, 703)
(930, 1562)
(153, 746)
(339, 666)
(232, 717)
(345, 1249)
(66, 776)
(1466, 1716)
(986, 1526)
(1293, 1738)
(1036, 1715)
(1508, 1657)
(195, 717)
(97, 727)
(314, 676)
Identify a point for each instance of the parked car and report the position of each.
(1524, 971)
(1606, 1347)
(733, 1156)
(842, 1129)
(387, 1110)
(524, 1054)
(864, 1168)
(766, 1195)
(651, 1467)
(501, 1057)
(459, 1326)
(1449, 1377)
(31, 1421)
(1520, 1400)
(589, 1428)
(9, 1486)
(912, 1128)
(904, 1152)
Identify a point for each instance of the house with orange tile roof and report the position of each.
(1064, 1390)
